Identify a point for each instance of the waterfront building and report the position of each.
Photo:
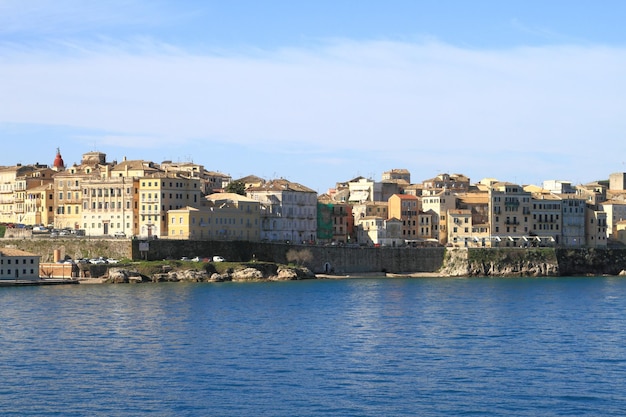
(39, 205)
(573, 220)
(460, 228)
(28, 207)
(335, 222)
(288, 211)
(547, 219)
(615, 212)
(8, 189)
(596, 228)
(406, 208)
(370, 208)
(236, 217)
(109, 206)
(223, 216)
(371, 231)
(159, 193)
(509, 213)
(17, 264)
(68, 190)
(620, 232)
(477, 202)
(438, 205)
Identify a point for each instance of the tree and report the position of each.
(236, 187)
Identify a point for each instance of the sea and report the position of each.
(332, 347)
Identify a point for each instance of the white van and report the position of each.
(218, 259)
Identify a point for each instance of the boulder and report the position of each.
(247, 274)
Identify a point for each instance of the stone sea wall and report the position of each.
(319, 259)
(348, 260)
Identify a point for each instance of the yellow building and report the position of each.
(39, 205)
(68, 191)
(30, 195)
(10, 208)
(160, 193)
(223, 216)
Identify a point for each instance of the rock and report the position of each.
(117, 276)
(192, 275)
(288, 274)
(247, 274)
(215, 277)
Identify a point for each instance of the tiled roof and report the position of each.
(15, 252)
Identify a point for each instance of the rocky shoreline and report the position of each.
(121, 275)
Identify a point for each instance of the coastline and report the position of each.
(360, 275)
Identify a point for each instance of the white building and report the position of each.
(17, 264)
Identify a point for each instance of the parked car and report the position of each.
(119, 234)
(218, 259)
(98, 261)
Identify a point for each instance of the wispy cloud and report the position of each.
(65, 17)
(388, 98)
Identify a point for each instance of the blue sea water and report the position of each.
(355, 347)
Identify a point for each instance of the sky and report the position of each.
(320, 92)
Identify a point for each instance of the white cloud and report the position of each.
(390, 98)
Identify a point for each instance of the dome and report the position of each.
(58, 161)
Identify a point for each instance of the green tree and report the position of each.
(236, 187)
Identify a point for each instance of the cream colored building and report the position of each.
(31, 192)
(68, 194)
(17, 264)
(454, 182)
(615, 212)
(370, 208)
(39, 205)
(224, 216)
(460, 228)
(109, 206)
(161, 193)
(376, 231)
(288, 211)
(10, 196)
(509, 213)
(596, 228)
(439, 204)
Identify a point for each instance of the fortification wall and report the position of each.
(342, 260)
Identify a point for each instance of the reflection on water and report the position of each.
(345, 347)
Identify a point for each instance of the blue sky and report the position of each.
(320, 91)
